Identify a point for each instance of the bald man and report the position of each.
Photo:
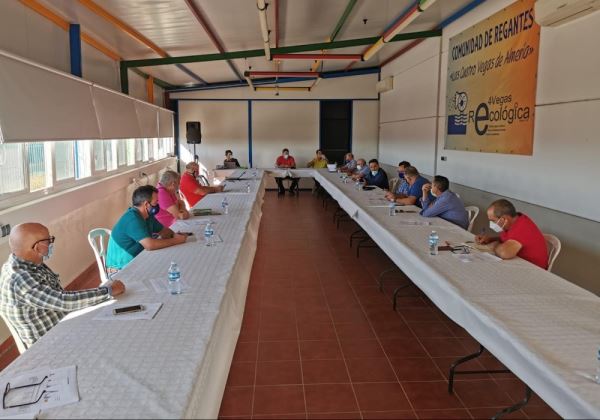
(31, 297)
(191, 188)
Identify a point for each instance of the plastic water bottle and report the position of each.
(174, 279)
(433, 242)
(248, 187)
(597, 376)
(208, 234)
(225, 205)
(392, 208)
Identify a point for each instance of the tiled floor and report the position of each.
(319, 340)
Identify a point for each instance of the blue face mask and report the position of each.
(49, 254)
(400, 175)
(153, 210)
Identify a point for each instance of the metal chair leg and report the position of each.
(382, 274)
(515, 407)
(356, 235)
(397, 291)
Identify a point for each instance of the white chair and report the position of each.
(98, 239)
(472, 211)
(554, 246)
(20, 345)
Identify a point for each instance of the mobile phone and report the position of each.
(185, 233)
(128, 309)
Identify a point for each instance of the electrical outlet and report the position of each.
(444, 158)
(5, 229)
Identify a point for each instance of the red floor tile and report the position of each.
(245, 352)
(360, 331)
(241, 374)
(370, 370)
(354, 415)
(320, 349)
(416, 369)
(316, 331)
(278, 373)
(443, 414)
(287, 399)
(361, 348)
(431, 395)
(324, 371)
(278, 350)
(330, 398)
(482, 393)
(402, 414)
(381, 397)
(237, 401)
(431, 330)
(403, 347)
(444, 347)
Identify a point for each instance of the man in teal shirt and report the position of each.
(136, 230)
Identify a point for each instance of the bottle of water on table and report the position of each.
(174, 279)
(225, 205)
(248, 187)
(392, 208)
(433, 242)
(208, 234)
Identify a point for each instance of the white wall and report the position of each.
(561, 172)
(289, 120)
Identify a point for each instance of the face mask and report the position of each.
(153, 210)
(49, 254)
(359, 167)
(495, 227)
(400, 175)
(374, 173)
(285, 156)
(433, 194)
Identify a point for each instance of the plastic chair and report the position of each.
(98, 239)
(20, 345)
(553, 244)
(473, 211)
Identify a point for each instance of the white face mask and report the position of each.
(374, 173)
(359, 167)
(495, 227)
(285, 156)
(49, 254)
(433, 194)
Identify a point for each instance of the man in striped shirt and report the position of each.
(31, 297)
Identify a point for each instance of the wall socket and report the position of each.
(5, 229)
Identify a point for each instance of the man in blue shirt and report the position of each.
(415, 188)
(444, 204)
(135, 230)
(349, 165)
(398, 186)
(376, 175)
(361, 169)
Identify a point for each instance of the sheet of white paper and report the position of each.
(59, 388)
(410, 222)
(150, 309)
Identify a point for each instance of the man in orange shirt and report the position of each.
(191, 188)
(285, 161)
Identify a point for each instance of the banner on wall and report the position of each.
(492, 78)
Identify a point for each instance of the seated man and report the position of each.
(171, 206)
(361, 169)
(349, 165)
(31, 297)
(439, 201)
(285, 161)
(230, 159)
(399, 186)
(519, 235)
(415, 188)
(191, 188)
(376, 175)
(136, 230)
(319, 162)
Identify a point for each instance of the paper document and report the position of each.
(410, 222)
(150, 309)
(38, 390)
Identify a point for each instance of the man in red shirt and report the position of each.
(519, 235)
(191, 188)
(285, 161)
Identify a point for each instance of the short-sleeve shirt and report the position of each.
(165, 200)
(124, 244)
(416, 189)
(290, 162)
(526, 232)
(188, 186)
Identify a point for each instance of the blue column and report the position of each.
(75, 49)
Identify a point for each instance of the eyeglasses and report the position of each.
(8, 389)
(50, 240)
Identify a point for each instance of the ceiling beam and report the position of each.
(210, 32)
(280, 50)
(115, 21)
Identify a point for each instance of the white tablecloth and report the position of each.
(542, 327)
(176, 365)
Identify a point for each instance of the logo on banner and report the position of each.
(457, 123)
